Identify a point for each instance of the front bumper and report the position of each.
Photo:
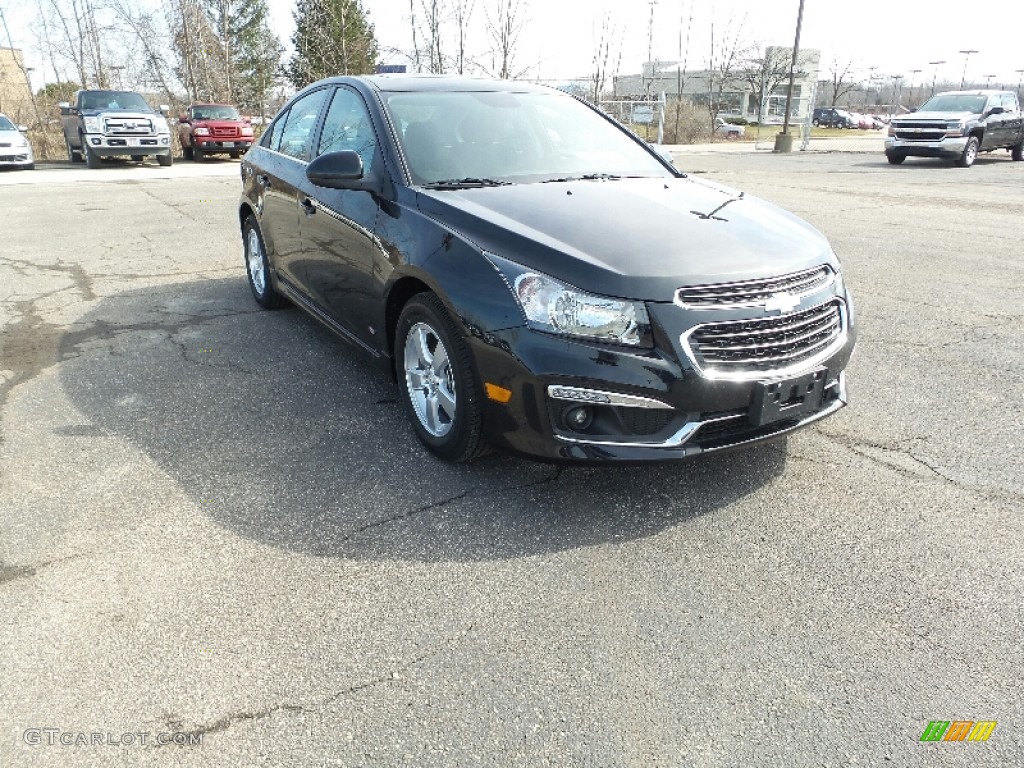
(645, 405)
(946, 148)
(223, 145)
(109, 146)
(16, 156)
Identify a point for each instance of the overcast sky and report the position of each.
(558, 36)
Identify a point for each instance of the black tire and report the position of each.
(29, 167)
(235, 155)
(92, 160)
(425, 324)
(817, 123)
(969, 155)
(139, 158)
(895, 158)
(186, 153)
(1017, 152)
(165, 160)
(257, 267)
(198, 155)
(74, 156)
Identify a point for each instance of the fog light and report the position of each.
(578, 418)
(96, 142)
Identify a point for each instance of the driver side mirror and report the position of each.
(64, 107)
(996, 111)
(22, 128)
(337, 170)
(165, 110)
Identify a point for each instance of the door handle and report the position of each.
(308, 207)
(264, 181)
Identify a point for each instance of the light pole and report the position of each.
(988, 80)
(1020, 75)
(783, 141)
(871, 77)
(967, 57)
(935, 72)
(895, 94)
(913, 79)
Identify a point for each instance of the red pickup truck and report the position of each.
(209, 129)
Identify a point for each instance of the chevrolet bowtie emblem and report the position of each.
(780, 302)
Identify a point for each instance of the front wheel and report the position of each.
(257, 267)
(186, 153)
(139, 158)
(74, 156)
(437, 381)
(895, 158)
(969, 155)
(235, 155)
(198, 155)
(165, 160)
(92, 160)
(1017, 152)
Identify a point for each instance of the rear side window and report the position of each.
(300, 124)
(1010, 102)
(272, 139)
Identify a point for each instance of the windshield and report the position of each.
(215, 112)
(6, 125)
(115, 100)
(511, 137)
(955, 102)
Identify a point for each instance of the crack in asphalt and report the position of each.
(227, 721)
(14, 572)
(80, 278)
(405, 515)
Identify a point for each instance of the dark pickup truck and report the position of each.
(957, 125)
(106, 123)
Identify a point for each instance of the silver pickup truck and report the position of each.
(957, 125)
(106, 123)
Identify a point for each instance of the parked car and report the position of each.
(536, 278)
(830, 117)
(729, 130)
(15, 149)
(209, 129)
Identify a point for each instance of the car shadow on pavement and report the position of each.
(282, 433)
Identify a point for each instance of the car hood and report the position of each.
(122, 113)
(8, 137)
(929, 116)
(632, 238)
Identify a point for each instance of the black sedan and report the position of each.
(536, 277)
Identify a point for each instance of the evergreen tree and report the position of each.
(332, 37)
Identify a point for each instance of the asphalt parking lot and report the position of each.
(216, 527)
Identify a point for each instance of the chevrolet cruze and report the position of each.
(536, 277)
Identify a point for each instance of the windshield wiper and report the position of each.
(469, 181)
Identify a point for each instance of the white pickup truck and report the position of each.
(106, 123)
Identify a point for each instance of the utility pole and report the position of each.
(783, 141)
(650, 44)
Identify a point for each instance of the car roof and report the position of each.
(975, 92)
(417, 82)
(209, 104)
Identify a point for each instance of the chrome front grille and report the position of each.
(767, 345)
(748, 293)
(920, 131)
(128, 127)
(228, 132)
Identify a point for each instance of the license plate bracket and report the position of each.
(788, 398)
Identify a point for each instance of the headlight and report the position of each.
(92, 125)
(555, 307)
(247, 130)
(20, 141)
(955, 129)
(160, 125)
(201, 131)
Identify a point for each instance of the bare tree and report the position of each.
(765, 69)
(608, 47)
(463, 14)
(504, 25)
(724, 66)
(840, 78)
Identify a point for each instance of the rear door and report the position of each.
(279, 167)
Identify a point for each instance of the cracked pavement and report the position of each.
(215, 520)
